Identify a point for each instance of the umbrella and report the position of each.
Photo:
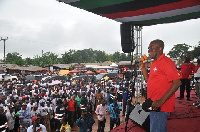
(63, 72)
(101, 71)
(56, 82)
(89, 72)
(75, 71)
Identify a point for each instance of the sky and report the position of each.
(35, 25)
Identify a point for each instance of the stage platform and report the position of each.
(185, 118)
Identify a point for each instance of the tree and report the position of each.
(49, 58)
(179, 51)
(14, 58)
(28, 61)
(196, 52)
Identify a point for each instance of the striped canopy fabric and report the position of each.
(141, 12)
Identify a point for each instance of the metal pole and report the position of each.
(4, 40)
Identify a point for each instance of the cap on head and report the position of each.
(34, 118)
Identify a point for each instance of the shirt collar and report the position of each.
(163, 55)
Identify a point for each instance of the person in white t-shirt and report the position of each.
(36, 125)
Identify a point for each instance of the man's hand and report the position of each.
(156, 104)
(141, 65)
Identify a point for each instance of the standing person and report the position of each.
(71, 110)
(162, 82)
(98, 97)
(25, 118)
(101, 115)
(197, 84)
(186, 70)
(78, 100)
(126, 95)
(36, 127)
(85, 122)
(114, 110)
(3, 121)
(10, 115)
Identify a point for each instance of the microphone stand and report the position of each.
(135, 76)
(127, 118)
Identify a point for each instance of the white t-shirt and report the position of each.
(42, 127)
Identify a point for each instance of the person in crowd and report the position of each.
(31, 104)
(126, 95)
(10, 115)
(112, 95)
(65, 127)
(36, 127)
(44, 115)
(130, 107)
(114, 110)
(101, 115)
(85, 122)
(72, 107)
(17, 109)
(187, 69)
(3, 120)
(98, 97)
(197, 84)
(25, 118)
(162, 83)
(78, 100)
(84, 100)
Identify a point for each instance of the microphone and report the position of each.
(143, 58)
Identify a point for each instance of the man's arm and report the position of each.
(144, 71)
(158, 103)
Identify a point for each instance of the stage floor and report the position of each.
(185, 118)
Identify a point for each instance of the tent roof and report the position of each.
(141, 12)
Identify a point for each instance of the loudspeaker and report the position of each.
(141, 117)
(127, 37)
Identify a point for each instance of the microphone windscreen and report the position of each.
(143, 58)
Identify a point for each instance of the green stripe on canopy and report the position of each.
(168, 19)
(91, 4)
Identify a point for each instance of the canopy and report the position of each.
(101, 71)
(75, 71)
(141, 12)
(89, 72)
(56, 82)
(64, 72)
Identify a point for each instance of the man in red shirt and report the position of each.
(162, 83)
(187, 69)
(71, 110)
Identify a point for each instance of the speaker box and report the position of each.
(127, 37)
(141, 117)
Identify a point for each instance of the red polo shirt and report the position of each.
(162, 73)
(71, 105)
(187, 69)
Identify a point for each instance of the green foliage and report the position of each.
(71, 56)
(14, 58)
(196, 52)
(179, 51)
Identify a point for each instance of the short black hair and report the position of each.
(159, 42)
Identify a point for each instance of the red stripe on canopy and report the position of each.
(151, 10)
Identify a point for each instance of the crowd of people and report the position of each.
(49, 106)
